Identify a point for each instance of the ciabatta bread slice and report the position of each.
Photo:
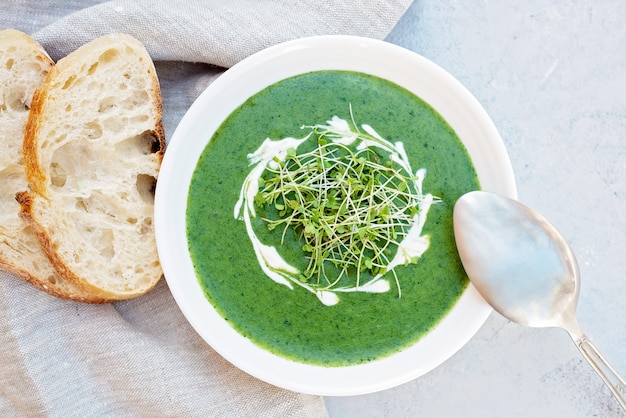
(24, 65)
(93, 148)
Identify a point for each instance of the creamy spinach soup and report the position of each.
(357, 260)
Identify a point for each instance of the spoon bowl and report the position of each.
(525, 270)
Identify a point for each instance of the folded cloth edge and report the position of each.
(218, 32)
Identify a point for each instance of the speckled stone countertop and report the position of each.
(552, 76)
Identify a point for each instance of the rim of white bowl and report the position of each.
(379, 58)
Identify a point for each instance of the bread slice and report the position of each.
(93, 147)
(24, 65)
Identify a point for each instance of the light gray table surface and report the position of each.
(552, 76)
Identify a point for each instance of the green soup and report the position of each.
(293, 323)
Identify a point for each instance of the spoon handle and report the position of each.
(604, 369)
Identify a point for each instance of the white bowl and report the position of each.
(407, 69)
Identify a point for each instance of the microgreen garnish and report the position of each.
(353, 202)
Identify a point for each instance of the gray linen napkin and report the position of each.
(140, 357)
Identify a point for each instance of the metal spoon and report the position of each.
(525, 270)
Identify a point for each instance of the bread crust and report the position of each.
(34, 173)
